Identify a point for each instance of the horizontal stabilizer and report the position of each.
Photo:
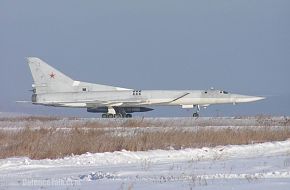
(24, 102)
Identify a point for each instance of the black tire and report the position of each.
(104, 116)
(129, 116)
(110, 116)
(118, 115)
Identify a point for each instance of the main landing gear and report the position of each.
(115, 112)
(196, 114)
(118, 115)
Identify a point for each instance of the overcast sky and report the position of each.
(242, 46)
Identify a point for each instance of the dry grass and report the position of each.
(30, 118)
(54, 143)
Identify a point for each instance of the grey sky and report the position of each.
(242, 46)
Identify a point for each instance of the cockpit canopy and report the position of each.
(216, 91)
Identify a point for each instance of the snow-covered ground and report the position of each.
(257, 166)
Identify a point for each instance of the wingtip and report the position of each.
(23, 101)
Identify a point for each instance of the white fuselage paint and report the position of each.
(53, 88)
(147, 98)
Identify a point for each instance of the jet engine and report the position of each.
(126, 109)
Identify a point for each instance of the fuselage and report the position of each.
(141, 97)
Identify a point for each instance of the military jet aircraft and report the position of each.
(53, 88)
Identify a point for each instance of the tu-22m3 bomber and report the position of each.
(53, 88)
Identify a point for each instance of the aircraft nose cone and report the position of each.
(242, 99)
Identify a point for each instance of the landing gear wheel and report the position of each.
(110, 116)
(118, 115)
(195, 115)
(129, 116)
(104, 115)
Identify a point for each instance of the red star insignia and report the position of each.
(52, 75)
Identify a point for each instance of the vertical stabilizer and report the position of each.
(48, 79)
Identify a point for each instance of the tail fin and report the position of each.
(48, 79)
